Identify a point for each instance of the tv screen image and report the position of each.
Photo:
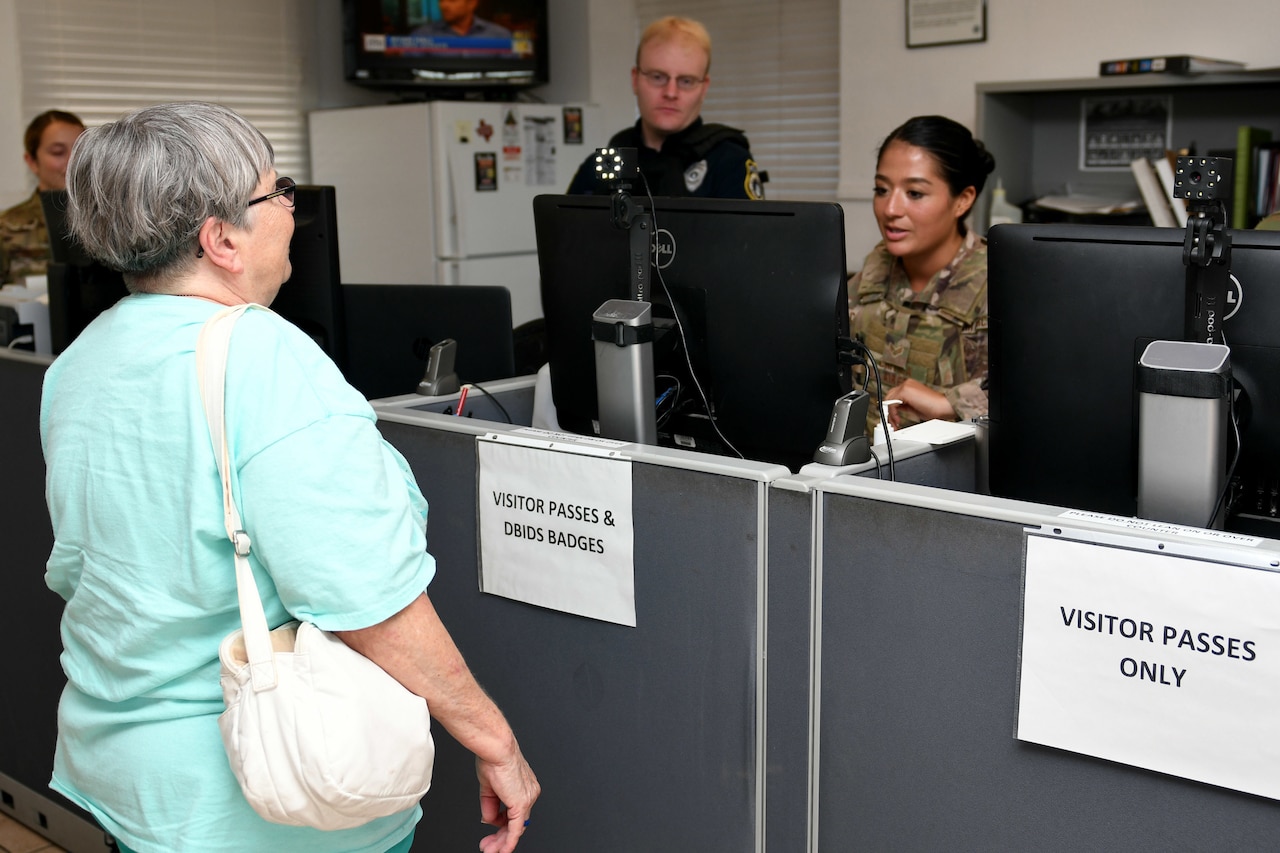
(760, 288)
(445, 44)
(1071, 309)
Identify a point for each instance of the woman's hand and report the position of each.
(507, 794)
(926, 403)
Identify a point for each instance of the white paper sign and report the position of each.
(1162, 662)
(555, 527)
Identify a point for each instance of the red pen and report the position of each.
(462, 400)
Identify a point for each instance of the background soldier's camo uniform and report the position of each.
(24, 241)
(937, 336)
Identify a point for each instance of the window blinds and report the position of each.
(101, 58)
(775, 73)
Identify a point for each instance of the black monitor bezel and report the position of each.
(775, 280)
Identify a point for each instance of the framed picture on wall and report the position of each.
(937, 22)
(1115, 131)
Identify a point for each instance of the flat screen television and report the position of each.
(760, 288)
(1071, 309)
(416, 44)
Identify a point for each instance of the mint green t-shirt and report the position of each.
(141, 557)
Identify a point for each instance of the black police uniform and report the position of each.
(703, 160)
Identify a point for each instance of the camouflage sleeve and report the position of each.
(968, 399)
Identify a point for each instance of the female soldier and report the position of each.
(920, 301)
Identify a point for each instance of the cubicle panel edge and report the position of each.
(919, 601)
(639, 735)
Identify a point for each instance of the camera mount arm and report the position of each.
(1205, 182)
(616, 167)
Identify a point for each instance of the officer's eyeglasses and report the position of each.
(659, 80)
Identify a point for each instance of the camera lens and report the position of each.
(1196, 177)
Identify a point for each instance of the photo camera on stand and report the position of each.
(1202, 178)
(617, 166)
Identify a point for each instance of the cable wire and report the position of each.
(684, 341)
(485, 392)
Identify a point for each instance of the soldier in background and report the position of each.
(920, 301)
(679, 153)
(24, 236)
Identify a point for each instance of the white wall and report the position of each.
(883, 83)
(592, 45)
(16, 180)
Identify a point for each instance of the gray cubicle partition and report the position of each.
(29, 615)
(917, 637)
(647, 738)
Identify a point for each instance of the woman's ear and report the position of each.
(964, 201)
(221, 245)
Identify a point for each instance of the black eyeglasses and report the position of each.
(284, 187)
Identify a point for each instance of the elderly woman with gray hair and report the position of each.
(184, 200)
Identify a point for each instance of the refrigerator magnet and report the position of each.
(486, 171)
(573, 125)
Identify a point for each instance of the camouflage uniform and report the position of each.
(24, 241)
(937, 336)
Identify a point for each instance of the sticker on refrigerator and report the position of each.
(540, 151)
(512, 152)
(486, 171)
(573, 125)
(510, 131)
(462, 128)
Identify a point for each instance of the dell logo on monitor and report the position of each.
(664, 248)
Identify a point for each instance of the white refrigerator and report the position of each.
(441, 192)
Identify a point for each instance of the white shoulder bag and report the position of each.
(317, 734)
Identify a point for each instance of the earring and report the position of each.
(200, 252)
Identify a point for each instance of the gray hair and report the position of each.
(140, 188)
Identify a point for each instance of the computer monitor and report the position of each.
(1071, 309)
(312, 297)
(79, 287)
(391, 328)
(761, 291)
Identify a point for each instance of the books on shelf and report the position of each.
(1153, 194)
(1164, 171)
(1266, 169)
(1178, 64)
(1244, 191)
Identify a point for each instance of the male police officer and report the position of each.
(679, 153)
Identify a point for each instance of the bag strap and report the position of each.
(211, 372)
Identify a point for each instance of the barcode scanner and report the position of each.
(846, 441)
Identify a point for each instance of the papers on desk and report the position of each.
(936, 433)
(1089, 204)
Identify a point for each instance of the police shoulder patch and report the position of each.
(753, 183)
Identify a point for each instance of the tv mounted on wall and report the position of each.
(445, 44)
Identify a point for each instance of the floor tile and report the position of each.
(16, 838)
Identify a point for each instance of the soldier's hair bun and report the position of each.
(963, 160)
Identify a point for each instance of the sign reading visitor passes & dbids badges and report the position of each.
(555, 525)
(1153, 660)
